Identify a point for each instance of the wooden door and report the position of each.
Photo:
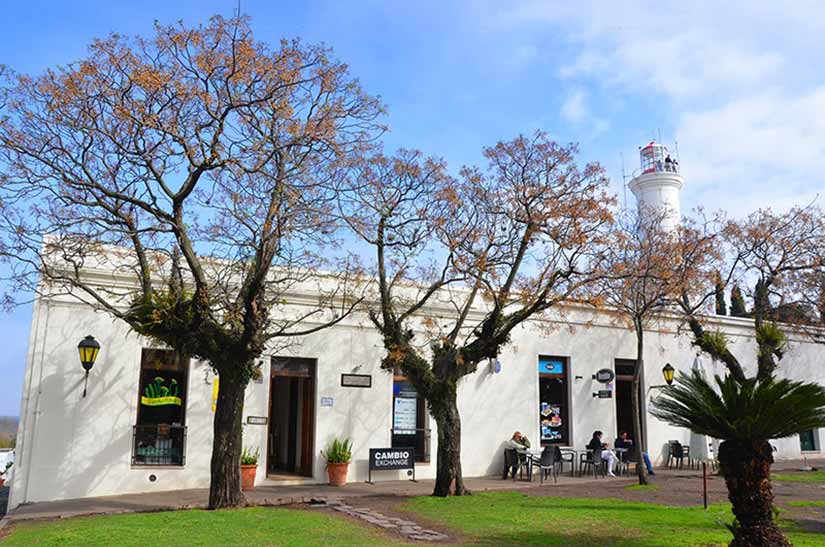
(308, 429)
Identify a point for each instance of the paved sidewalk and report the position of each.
(263, 495)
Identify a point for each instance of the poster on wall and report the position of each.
(404, 417)
(551, 422)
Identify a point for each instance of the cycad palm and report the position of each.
(745, 415)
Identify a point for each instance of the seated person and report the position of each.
(607, 454)
(624, 442)
(517, 442)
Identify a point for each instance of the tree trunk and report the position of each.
(747, 470)
(448, 460)
(636, 404)
(225, 484)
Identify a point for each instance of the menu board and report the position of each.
(404, 415)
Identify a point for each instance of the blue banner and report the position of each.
(549, 365)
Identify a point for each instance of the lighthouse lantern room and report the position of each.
(655, 157)
(658, 183)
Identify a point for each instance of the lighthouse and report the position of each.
(657, 183)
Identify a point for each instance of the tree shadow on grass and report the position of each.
(539, 537)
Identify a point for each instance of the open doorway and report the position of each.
(625, 369)
(290, 445)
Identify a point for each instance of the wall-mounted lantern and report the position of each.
(667, 372)
(88, 348)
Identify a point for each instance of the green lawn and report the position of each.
(515, 518)
(251, 526)
(488, 518)
(806, 504)
(641, 487)
(807, 476)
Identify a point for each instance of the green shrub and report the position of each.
(338, 451)
(249, 458)
(772, 336)
(714, 343)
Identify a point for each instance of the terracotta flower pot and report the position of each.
(248, 476)
(337, 473)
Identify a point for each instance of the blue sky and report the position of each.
(739, 87)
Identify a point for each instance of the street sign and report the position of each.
(389, 459)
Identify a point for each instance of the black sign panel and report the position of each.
(387, 459)
(603, 394)
(356, 380)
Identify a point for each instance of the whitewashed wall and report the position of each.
(72, 447)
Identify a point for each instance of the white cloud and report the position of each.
(739, 81)
(573, 109)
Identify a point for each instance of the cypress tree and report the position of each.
(721, 306)
(737, 303)
(761, 302)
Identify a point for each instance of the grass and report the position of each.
(515, 518)
(805, 504)
(641, 487)
(802, 476)
(251, 526)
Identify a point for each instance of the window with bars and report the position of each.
(159, 436)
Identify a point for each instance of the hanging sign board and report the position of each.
(605, 376)
(603, 394)
(356, 380)
(390, 459)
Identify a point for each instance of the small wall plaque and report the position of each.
(257, 420)
(327, 401)
(603, 394)
(356, 380)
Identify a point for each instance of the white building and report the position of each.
(146, 422)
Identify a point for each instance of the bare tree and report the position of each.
(196, 160)
(647, 268)
(780, 252)
(495, 247)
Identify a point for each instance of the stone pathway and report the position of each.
(406, 528)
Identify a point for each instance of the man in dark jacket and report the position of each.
(624, 442)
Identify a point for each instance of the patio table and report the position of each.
(624, 468)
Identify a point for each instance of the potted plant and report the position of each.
(338, 455)
(249, 467)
